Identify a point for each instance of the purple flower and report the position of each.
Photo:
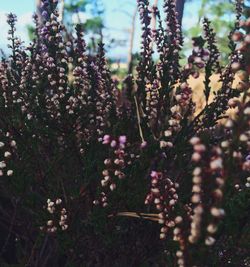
(106, 139)
(154, 174)
(45, 14)
(122, 139)
(113, 143)
(143, 144)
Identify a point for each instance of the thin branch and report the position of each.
(139, 119)
(147, 216)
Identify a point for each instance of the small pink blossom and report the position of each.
(122, 139)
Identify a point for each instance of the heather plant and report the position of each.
(241, 37)
(95, 176)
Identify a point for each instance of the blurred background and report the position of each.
(117, 22)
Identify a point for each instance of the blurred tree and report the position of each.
(221, 13)
(92, 26)
(179, 9)
(90, 14)
(78, 7)
(243, 36)
(72, 12)
(131, 42)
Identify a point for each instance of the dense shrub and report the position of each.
(243, 37)
(94, 176)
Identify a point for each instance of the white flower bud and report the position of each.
(247, 111)
(196, 157)
(216, 164)
(211, 228)
(172, 202)
(243, 138)
(9, 173)
(58, 201)
(155, 190)
(196, 179)
(7, 154)
(195, 198)
(197, 171)
(217, 212)
(2, 164)
(157, 201)
(229, 124)
(13, 143)
(167, 133)
(63, 217)
(65, 227)
(178, 219)
(51, 210)
(194, 140)
(104, 183)
(171, 224)
(162, 236)
(224, 144)
(50, 223)
(51, 204)
(209, 241)
(112, 187)
(163, 144)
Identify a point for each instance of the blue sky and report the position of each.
(116, 21)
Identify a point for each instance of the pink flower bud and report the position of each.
(113, 143)
(122, 139)
(143, 144)
(106, 139)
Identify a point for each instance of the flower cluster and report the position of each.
(199, 150)
(204, 186)
(199, 55)
(145, 66)
(217, 171)
(164, 196)
(211, 43)
(237, 142)
(170, 56)
(52, 225)
(114, 165)
(8, 149)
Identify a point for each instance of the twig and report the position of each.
(146, 216)
(139, 119)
